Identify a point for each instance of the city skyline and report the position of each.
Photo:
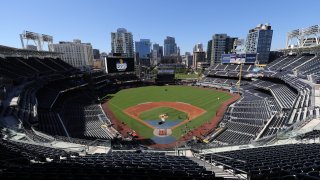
(93, 21)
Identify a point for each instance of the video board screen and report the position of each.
(238, 58)
(119, 64)
(251, 58)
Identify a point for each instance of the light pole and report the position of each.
(257, 61)
(240, 74)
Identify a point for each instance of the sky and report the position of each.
(189, 21)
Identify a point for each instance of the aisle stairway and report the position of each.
(219, 172)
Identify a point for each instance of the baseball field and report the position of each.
(181, 108)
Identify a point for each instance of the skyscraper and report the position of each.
(198, 55)
(143, 47)
(122, 42)
(230, 48)
(157, 54)
(221, 44)
(143, 50)
(178, 51)
(96, 54)
(156, 48)
(188, 59)
(209, 50)
(198, 47)
(75, 53)
(161, 51)
(218, 47)
(259, 41)
(170, 46)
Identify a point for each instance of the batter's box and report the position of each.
(162, 132)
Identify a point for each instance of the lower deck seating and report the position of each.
(245, 119)
(234, 137)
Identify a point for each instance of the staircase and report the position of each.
(219, 172)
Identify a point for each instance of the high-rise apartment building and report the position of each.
(221, 44)
(122, 42)
(259, 41)
(79, 55)
(218, 47)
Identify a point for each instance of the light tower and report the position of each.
(306, 37)
(239, 47)
(38, 39)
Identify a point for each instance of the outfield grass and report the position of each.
(173, 114)
(203, 98)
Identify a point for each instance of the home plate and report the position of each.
(162, 132)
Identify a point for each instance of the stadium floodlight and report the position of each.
(310, 36)
(294, 33)
(306, 37)
(38, 39)
(293, 38)
(31, 35)
(47, 38)
(311, 30)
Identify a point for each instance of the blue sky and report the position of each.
(189, 21)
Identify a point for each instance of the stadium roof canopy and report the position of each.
(10, 51)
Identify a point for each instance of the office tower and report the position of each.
(122, 42)
(259, 41)
(170, 46)
(96, 54)
(198, 55)
(143, 50)
(221, 44)
(209, 50)
(157, 54)
(188, 59)
(143, 47)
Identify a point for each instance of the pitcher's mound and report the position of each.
(162, 132)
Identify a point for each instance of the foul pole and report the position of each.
(239, 81)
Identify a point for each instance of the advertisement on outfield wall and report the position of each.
(119, 64)
(238, 58)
